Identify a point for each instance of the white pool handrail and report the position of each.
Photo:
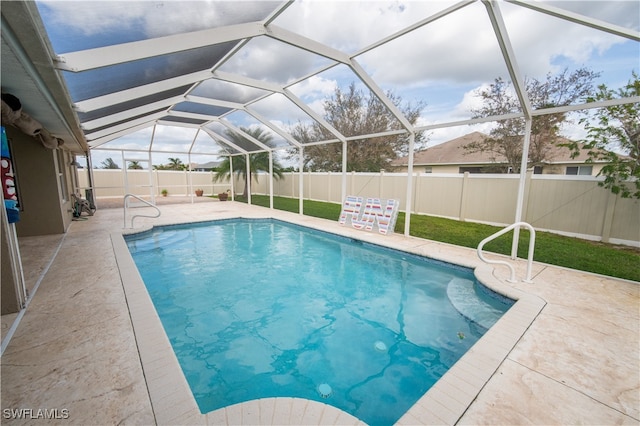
(532, 243)
(138, 215)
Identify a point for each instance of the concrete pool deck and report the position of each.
(89, 349)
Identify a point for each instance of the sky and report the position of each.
(442, 65)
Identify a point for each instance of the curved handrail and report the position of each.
(138, 215)
(532, 242)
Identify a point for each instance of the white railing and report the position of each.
(532, 243)
(126, 207)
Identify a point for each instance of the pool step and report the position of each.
(159, 240)
(464, 298)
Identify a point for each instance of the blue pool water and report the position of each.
(261, 308)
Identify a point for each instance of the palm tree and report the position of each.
(134, 165)
(258, 161)
(109, 164)
(175, 164)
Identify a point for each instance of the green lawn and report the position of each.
(574, 253)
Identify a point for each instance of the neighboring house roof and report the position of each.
(453, 152)
(209, 165)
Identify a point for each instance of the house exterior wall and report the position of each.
(8, 273)
(569, 205)
(560, 168)
(40, 173)
(550, 169)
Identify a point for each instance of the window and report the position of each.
(579, 170)
(60, 170)
(469, 169)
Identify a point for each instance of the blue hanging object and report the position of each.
(8, 182)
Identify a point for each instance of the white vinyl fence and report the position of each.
(569, 205)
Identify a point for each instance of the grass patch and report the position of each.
(574, 253)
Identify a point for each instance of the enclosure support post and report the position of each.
(300, 182)
(409, 200)
(190, 178)
(521, 185)
(152, 188)
(344, 172)
(271, 180)
(231, 180)
(248, 179)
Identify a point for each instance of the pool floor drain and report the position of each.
(325, 390)
(380, 346)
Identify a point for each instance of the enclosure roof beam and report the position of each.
(94, 143)
(417, 25)
(272, 126)
(125, 52)
(140, 91)
(246, 81)
(587, 105)
(236, 129)
(579, 19)
(130, 113)
(123, 126)
(307, 44)
(500, 30)
(377, 91)
(215, 136)
(213, 102)
(311, 113)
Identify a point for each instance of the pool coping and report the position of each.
(445, 402)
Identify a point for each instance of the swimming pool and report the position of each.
(367, 331)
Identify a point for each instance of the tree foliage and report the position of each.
(134, 165)
(174, 164)
(258, 161)
(613, 128)
(353, 113)
(506, 139)
(109, 164)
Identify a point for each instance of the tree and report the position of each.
(506, 139)
(258, 161)
(175, 164)
(134, 165)
(353, 114)
(615, 128)
(109, 164)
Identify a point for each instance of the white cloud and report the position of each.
(442, 63)
(314, 87)
(152, 18)
(267, 59)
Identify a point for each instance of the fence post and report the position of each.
(381, 187)
(607, 221)
(352, 183)
(463, 197)
(416, 192)
(527, 191)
